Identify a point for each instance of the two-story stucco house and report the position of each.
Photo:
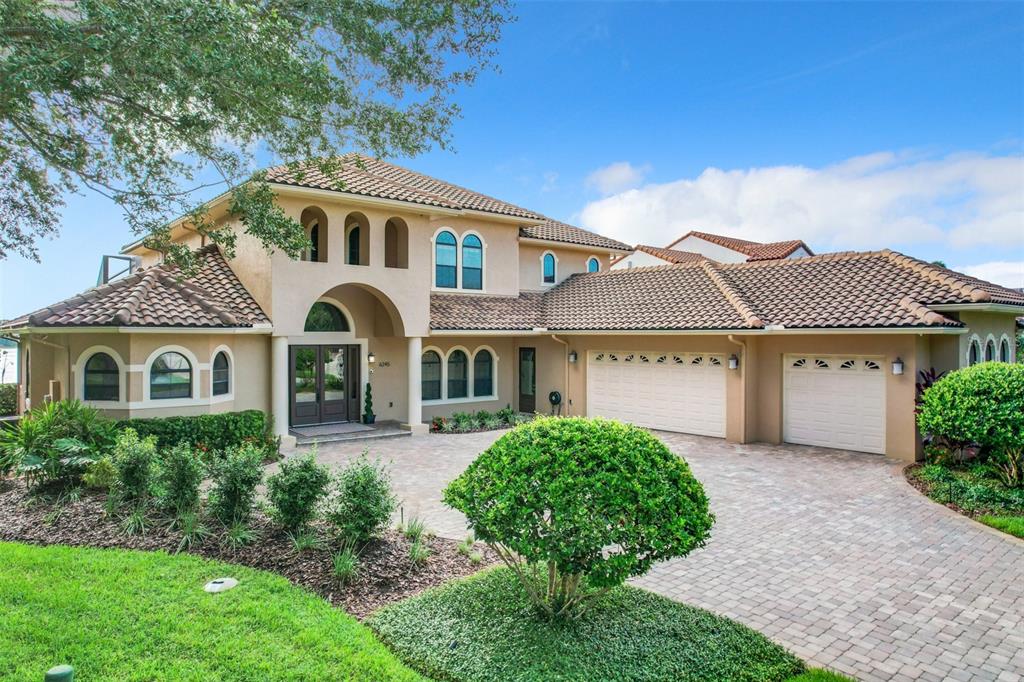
(448, 300)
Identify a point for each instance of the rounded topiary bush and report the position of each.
(983, 404)
(576, 506)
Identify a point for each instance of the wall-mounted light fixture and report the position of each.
(573, 357)
(734, 362)
(371, 357)
(897, 366)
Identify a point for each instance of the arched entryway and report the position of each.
(325, 369)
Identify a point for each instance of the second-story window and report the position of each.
(593, 265)
(445, 261)
(353, 246)
(549, 268)
(472, 262)
(314, 242)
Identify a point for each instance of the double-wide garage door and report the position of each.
(835, 401)
(682, 392)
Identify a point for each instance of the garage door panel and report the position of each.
(674, 392)
(835, 401)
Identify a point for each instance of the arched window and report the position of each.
(1004, 350)
(472, 262)
(314, 242)
(593, 265)
(430, 378)
(102, 378)
(221, 374)
(990, 350)
(445, 260)
(974, 352)
(170, 377)
(396, 243)
(324, 317)
(314, 220)
(549, 268)
(353, 245)
(457, 374)
(483, 373)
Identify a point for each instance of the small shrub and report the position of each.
(418, 552)
(492, 422)
(135, 522)
(437, 423)
(590, 502)
(133, 458)
(179, 474)
(345, 563)
(414, 529)
(506, 414)
(464, 421)
(235, 478)
(101, 474)
(982, 404)
(466, 546)
(296, 491)
(449, 426)
(8, 399)
(239, 535)
(193, 530)
(476, 558)
(306, 541)
(1008, 466)
(363, 502)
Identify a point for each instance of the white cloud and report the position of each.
(1006, 273)
(616, 177)
(882, 199)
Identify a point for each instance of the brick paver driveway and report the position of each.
(829, 553)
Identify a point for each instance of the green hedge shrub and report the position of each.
(235, 478)
(205, 432)
(8, 399)
(363, 502)
(983, 404)
(297, 490)
(588, 502)
(134, 459)
(180, 472)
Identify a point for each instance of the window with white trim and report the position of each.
(974, 352)
(990, 350)
(446, 258)
(458, 374)
(593, 264)
(221, 374)
(170, 376)
(102, 378)
(483, 373)
(549, 268)
(430, 376)
(472, 262)
(1004, 350)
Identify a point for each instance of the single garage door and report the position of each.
(835, 401)
(673, 392)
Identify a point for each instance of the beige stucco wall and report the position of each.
(569, 261)
(985, 326)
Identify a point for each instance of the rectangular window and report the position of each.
(457, 383)
(101, 385)
(483, 383)
(171, 385)
(431, 381)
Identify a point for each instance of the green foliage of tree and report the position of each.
(983, 404)
(150, 101)
(587, 503)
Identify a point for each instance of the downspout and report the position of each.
(743, 383)
(565, 398)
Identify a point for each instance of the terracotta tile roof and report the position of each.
(523, 312)
(670, 255)
(753, 250)
(154, 297)
(363, 175)
(860, 290)
(554, 231)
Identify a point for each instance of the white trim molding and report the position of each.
(1011, 348)
(470, 375)
(991, 338)
(974, 339)
(122, 378)
(230, 395)
(596, 260)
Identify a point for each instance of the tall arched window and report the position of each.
(457, 374)
(314, 242)
(324, 317)
(314, 220)
(593, 265)
(472, 262)
(549, 263)
(430, 377)
(974, 352)
(990, 350)
(1004, 350)
(445, 261)
(353, 245)
(170, 377)
(102, 378)
(221, 374)
(483, 373)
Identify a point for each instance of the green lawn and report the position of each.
(122, 615)
(1014, 525)
(479, 628)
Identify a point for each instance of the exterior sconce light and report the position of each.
(573, 357)
(897, 366)
(371, 357)
(734, 362)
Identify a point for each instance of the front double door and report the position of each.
(325, 384)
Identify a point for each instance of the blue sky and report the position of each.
(852, 126)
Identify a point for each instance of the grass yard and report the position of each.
(480, 628)
(1014, 525)
(124, 615)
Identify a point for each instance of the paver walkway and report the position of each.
(829, 553)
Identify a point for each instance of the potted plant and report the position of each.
(368, 416)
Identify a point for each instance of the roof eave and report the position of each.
(577, 247)
(749, 331)
(1014, 309)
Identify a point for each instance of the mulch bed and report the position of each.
(910, 472)
(386, 574)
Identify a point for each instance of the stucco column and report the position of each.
(415, 422)
(279, 389)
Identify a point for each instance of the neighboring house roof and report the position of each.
(880, 289)
(554, 231)
(156, 297)
(366, 176)
(753, 250)
(670, 255)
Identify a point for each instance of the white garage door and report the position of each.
(835, 401)
(675, 392)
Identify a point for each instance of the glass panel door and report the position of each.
(305, 385)
(334, 407)
(527, 380)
